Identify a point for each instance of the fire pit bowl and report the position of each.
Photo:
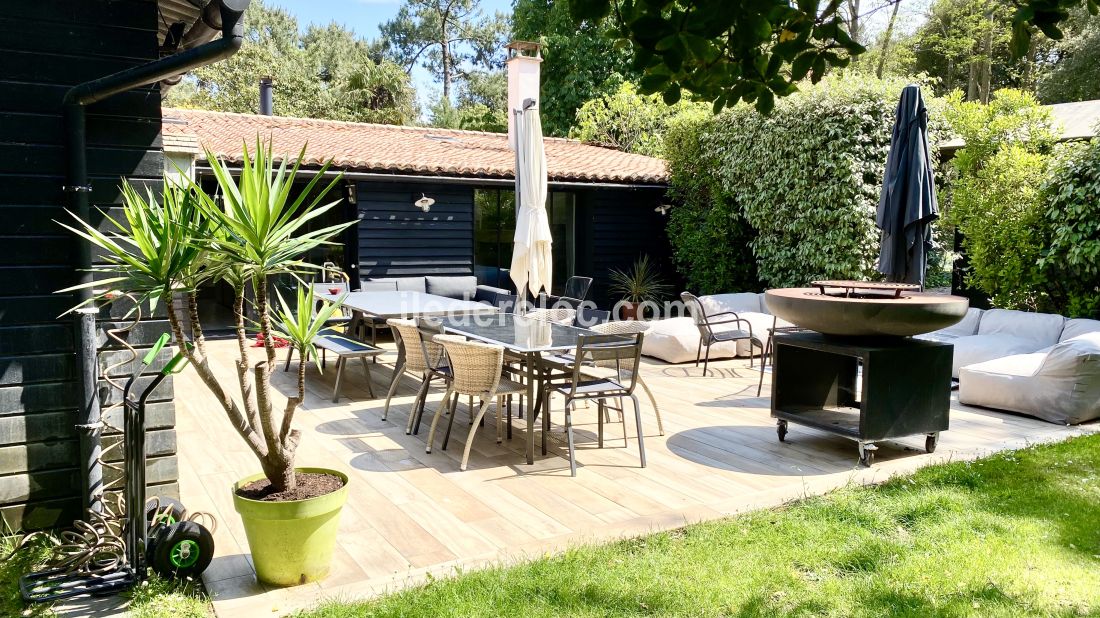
(865, 309)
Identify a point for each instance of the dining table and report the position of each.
(525, 339)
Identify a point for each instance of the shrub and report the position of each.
(994, 198)
(999, 211)
(799, 187)
(629, 121)
(1071, 206)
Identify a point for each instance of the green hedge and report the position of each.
(785, 198)
(1071, 200)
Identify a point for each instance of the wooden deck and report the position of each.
(411, 515)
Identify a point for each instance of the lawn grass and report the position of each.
(1016, 534)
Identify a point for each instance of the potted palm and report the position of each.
(642, 283)
(164, 251)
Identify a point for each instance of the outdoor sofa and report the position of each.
(1038, 364)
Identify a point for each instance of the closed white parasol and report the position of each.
(531, 257)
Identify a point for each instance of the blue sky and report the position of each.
(364, 17)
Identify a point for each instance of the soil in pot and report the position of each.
(310, 485)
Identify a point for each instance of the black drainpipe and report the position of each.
(229, 12)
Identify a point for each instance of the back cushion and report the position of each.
(966, 326)
(406, 284)
(719, 303)
(1041, 328)
(1079, 326)
(452, 287)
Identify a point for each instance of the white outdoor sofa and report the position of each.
(1038, 364)
(676, 340)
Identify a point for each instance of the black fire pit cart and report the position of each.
(901, 394)
(108, 553)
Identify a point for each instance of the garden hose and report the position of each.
(95, 545)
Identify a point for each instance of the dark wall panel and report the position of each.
(399, 240)
(614, 228)
(49, 47)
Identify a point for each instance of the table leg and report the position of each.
(529, 374)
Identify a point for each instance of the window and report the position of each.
(495, 228)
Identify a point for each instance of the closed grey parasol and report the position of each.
(907, 205)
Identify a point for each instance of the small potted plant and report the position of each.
(642, 283)
(165, 250)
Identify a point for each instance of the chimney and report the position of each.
(524, 58)
(267, 104)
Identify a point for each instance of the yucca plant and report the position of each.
(300, 326)
(640, 284)
(252, 233)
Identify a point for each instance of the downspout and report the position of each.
(76, 100)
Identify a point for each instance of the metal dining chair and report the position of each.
(588, 317)
(577, 287)
(477, 370)
(709, 336)
(623, 352)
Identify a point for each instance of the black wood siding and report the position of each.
(49, 47)
(399, 240)
(614, 228)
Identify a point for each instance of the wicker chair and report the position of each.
(557, 315)
(708, 336)
(418, 358)
(477, 370)
(621, 352)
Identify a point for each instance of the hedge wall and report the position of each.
(780, 200)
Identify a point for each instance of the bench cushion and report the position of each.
(463, 288)
(405, 284)
(719, 303)
(1079, 326)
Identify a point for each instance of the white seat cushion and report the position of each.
(1060, 384)
(676, 340)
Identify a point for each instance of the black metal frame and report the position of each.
(707, 336)
(62, 583)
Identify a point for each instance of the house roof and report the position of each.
(407, 150)
(1080, 120)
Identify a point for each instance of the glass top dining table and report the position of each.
(523, 337)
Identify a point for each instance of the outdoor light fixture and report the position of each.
(424, 203)
(663, 209)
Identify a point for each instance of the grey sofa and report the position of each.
(1038, 364)
(464, 287)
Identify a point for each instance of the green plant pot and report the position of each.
(291, 542)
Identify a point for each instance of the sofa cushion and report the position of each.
(965, 327)
(980, 348)
(1041, 328)
(720, 303)
(1060, 385)
(452, 287)
(676, 340)
(405, 284)
(1079, 326)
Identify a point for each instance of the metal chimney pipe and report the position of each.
(267, 98)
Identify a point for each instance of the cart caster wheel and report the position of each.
(164, 511)
(867, 454)
(930, 442)
(781, 430)
(183, 549)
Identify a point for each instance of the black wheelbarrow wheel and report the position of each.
(182, 549)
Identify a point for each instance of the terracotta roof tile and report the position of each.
(412, 150)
